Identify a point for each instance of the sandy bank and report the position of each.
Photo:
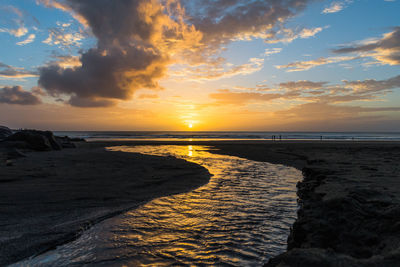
(49, 198)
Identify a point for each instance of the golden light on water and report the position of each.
(190, 151)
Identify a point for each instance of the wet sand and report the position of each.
(49, 198)
(350, 196)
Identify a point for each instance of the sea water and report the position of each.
(215, 136)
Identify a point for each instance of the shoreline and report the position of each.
(350, 197)
(349, 201)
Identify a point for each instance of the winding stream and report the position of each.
(241, 217)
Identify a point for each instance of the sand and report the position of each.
(349, 200)
(49, 198)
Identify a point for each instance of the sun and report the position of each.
(190, 125)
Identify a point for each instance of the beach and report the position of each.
(349, 198)
(50, 198)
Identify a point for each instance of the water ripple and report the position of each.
(241, 217)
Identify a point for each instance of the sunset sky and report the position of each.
(290, 65)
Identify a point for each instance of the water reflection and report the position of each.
(190, 151)
(240, 218)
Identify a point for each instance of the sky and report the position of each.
(204, 65)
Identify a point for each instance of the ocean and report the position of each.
(233, 135)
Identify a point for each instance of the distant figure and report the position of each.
(321, 138)
(280, 137)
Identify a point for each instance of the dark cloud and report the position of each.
(374, 86)
(16, 95)
(90, 102)
(124, 60)
(7, 71)
(136, 40)
(222, 20)
(114, 75)
(385, 50)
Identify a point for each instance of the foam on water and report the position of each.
(241, 217)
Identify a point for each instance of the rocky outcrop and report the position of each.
(33, 139)
(356, 228)
(65, 142)
(5, 132)
(29, 140)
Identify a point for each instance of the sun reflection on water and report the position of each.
(241, 217)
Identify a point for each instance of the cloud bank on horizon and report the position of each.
(141, 45)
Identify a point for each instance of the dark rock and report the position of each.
(5, 132)
(34, 140)
(52, 140)
(65, 142)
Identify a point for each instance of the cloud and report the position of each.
(12, 9)
(325, 112)
(334, 7)
(373, 86)
(66, 61)
(28, 40)
(16, 95)
(148, 96)
(241, 98)
(221, 20)
(137, 40)
(131, 53)
(309, 64)
(64, 7)
(302, 85)
(12, 16)
(63, 39)
(90, 102)
(217, 70)
(385, 50)
(309, 91)
(289, 35)
(19, 32)
(271, 51)
(10, 72)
